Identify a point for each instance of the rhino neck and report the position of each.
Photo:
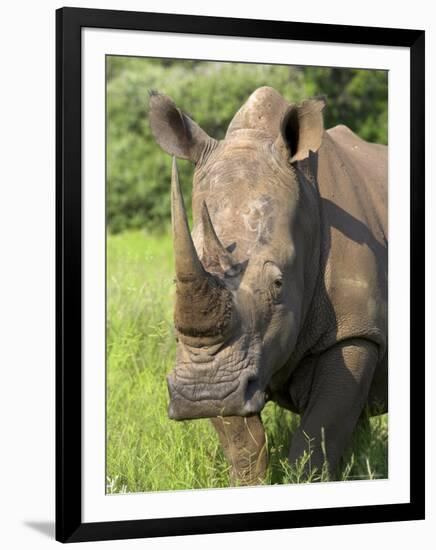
(312, 244)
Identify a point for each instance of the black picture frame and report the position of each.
(69, 525)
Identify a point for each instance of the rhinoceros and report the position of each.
(281, 289)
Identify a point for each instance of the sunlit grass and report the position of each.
(145, 450)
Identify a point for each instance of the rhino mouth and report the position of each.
(204, 385)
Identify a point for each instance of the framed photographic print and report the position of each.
(240, 274)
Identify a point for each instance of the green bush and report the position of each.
(210, 92)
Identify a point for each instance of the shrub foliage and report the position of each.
(138, 171)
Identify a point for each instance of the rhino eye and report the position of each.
(276, 289)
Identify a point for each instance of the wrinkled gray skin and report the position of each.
(281, 294)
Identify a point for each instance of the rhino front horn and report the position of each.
(187, 264)
(203, 305)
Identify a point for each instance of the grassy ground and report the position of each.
(145, 450)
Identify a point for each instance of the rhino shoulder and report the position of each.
(344, 135)
(346, 138)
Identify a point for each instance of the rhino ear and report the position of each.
(175, 132)
(301, 129)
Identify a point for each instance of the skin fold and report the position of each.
(281, 288)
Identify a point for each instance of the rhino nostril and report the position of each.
(251, 389)
(254, 397)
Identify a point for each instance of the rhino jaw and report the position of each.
(240, 397)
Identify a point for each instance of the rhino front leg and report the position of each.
(244, 445)
(339, 392)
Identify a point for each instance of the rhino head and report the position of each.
(244, 277)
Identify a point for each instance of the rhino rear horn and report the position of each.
(213, 250)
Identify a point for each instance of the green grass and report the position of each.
(145, 450)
